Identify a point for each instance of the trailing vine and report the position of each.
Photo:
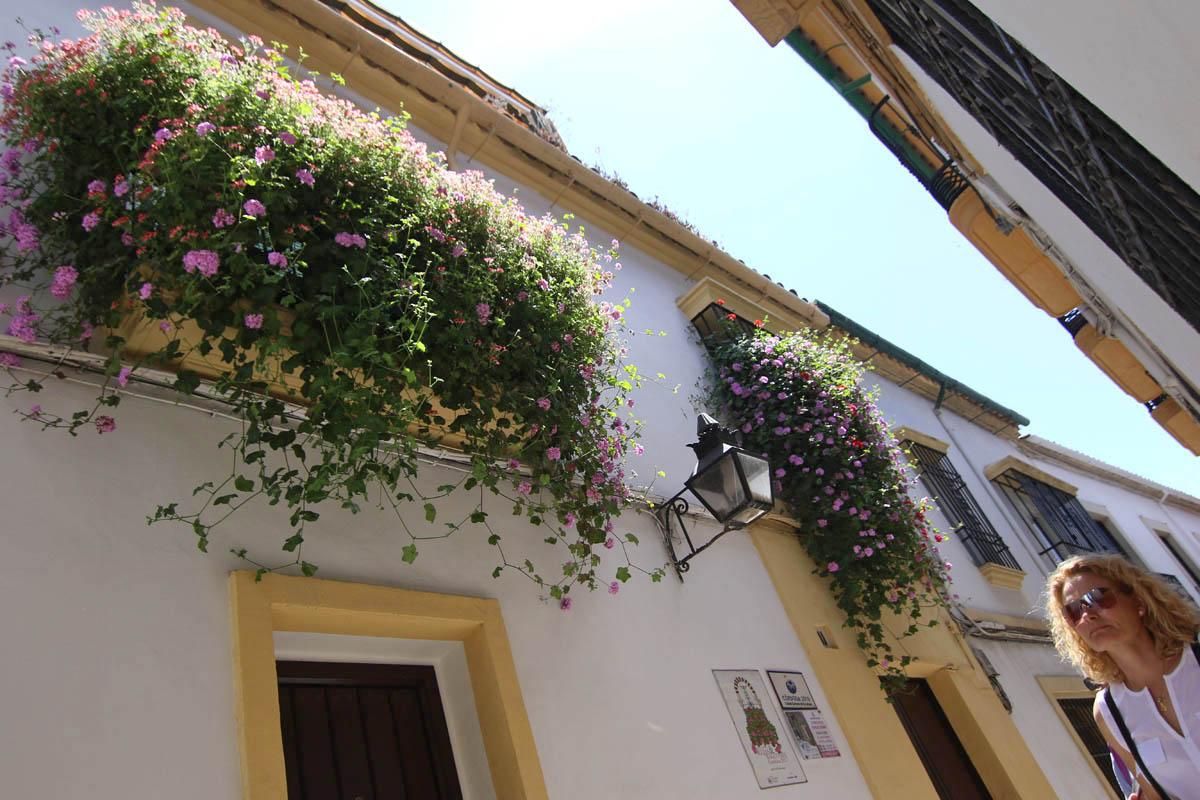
(798, 400)
(176, 201)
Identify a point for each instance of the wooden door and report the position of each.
(364, 732)
(941, 752)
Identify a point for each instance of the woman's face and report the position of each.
(1103, 628)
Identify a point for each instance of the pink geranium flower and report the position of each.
(206, 262)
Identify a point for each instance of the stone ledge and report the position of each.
(1003, 577)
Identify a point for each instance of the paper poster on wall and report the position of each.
(810, 733)
(773, 761)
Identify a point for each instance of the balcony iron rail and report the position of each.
(956, 502)
(1138, 206)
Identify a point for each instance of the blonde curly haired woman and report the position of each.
(1130, 630)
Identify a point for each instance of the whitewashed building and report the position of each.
(137, 667)
(1054, 135)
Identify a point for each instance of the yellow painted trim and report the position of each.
(874, 734)
(1072, 686)
(1003, 577)
(282, 603)
(1008, 620)
(907, 434)
(775, 20)
(1117, 362)
(1016, 255)
(1179, 423)
(988, 734)
(707, 291)
(386, 75)
(992, 471)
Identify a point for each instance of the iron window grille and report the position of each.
(1078, 711)
(1179, 556)
(1176, 584)
(1117, 547)
(1137, 205)
(714, 324)
(1056, 520)
(956, 502)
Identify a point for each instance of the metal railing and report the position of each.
(956, 502)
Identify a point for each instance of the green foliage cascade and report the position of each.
(158, 171)
(798, 400)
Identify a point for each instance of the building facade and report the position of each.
(139, 667)
(1050, 137)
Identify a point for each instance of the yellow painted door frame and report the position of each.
(875, 736)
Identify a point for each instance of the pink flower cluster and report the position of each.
(350, 240)
(64, 281)
(206, 262)
(24, 324)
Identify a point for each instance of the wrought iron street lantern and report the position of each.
(734, 486)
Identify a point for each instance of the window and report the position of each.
(1142, 210)
(1107, 528)
(713, 320)
(1179, 556)
(1078, 711)
(1175, 582)
(958, 505)
(1072, 701)
(1055, 519)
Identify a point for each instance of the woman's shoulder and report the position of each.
(1100, 711)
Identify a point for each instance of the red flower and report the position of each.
(720, 301)
(731, 317)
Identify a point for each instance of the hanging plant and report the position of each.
(162, 180)
(798, 400)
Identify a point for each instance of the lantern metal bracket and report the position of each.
(677, 508)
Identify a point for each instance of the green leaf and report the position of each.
(308, 569)
(622, 574)
(430, 514)
(243, 484)
(629, 537)
(409, 553)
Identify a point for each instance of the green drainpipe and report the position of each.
(891, 136)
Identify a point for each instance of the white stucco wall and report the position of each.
(119, 655)
(1133, 517)
(119, 659)
(120, 631)
(1114, 281)
(1135, 61)
(1060, 757)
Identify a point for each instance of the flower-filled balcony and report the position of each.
(188, 204)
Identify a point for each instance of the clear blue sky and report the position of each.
(686, 102)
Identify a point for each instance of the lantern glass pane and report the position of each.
(720, 488)
(758, 479)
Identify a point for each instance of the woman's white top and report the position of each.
(1172, 758)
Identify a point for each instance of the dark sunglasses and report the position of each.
(1100, 597)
